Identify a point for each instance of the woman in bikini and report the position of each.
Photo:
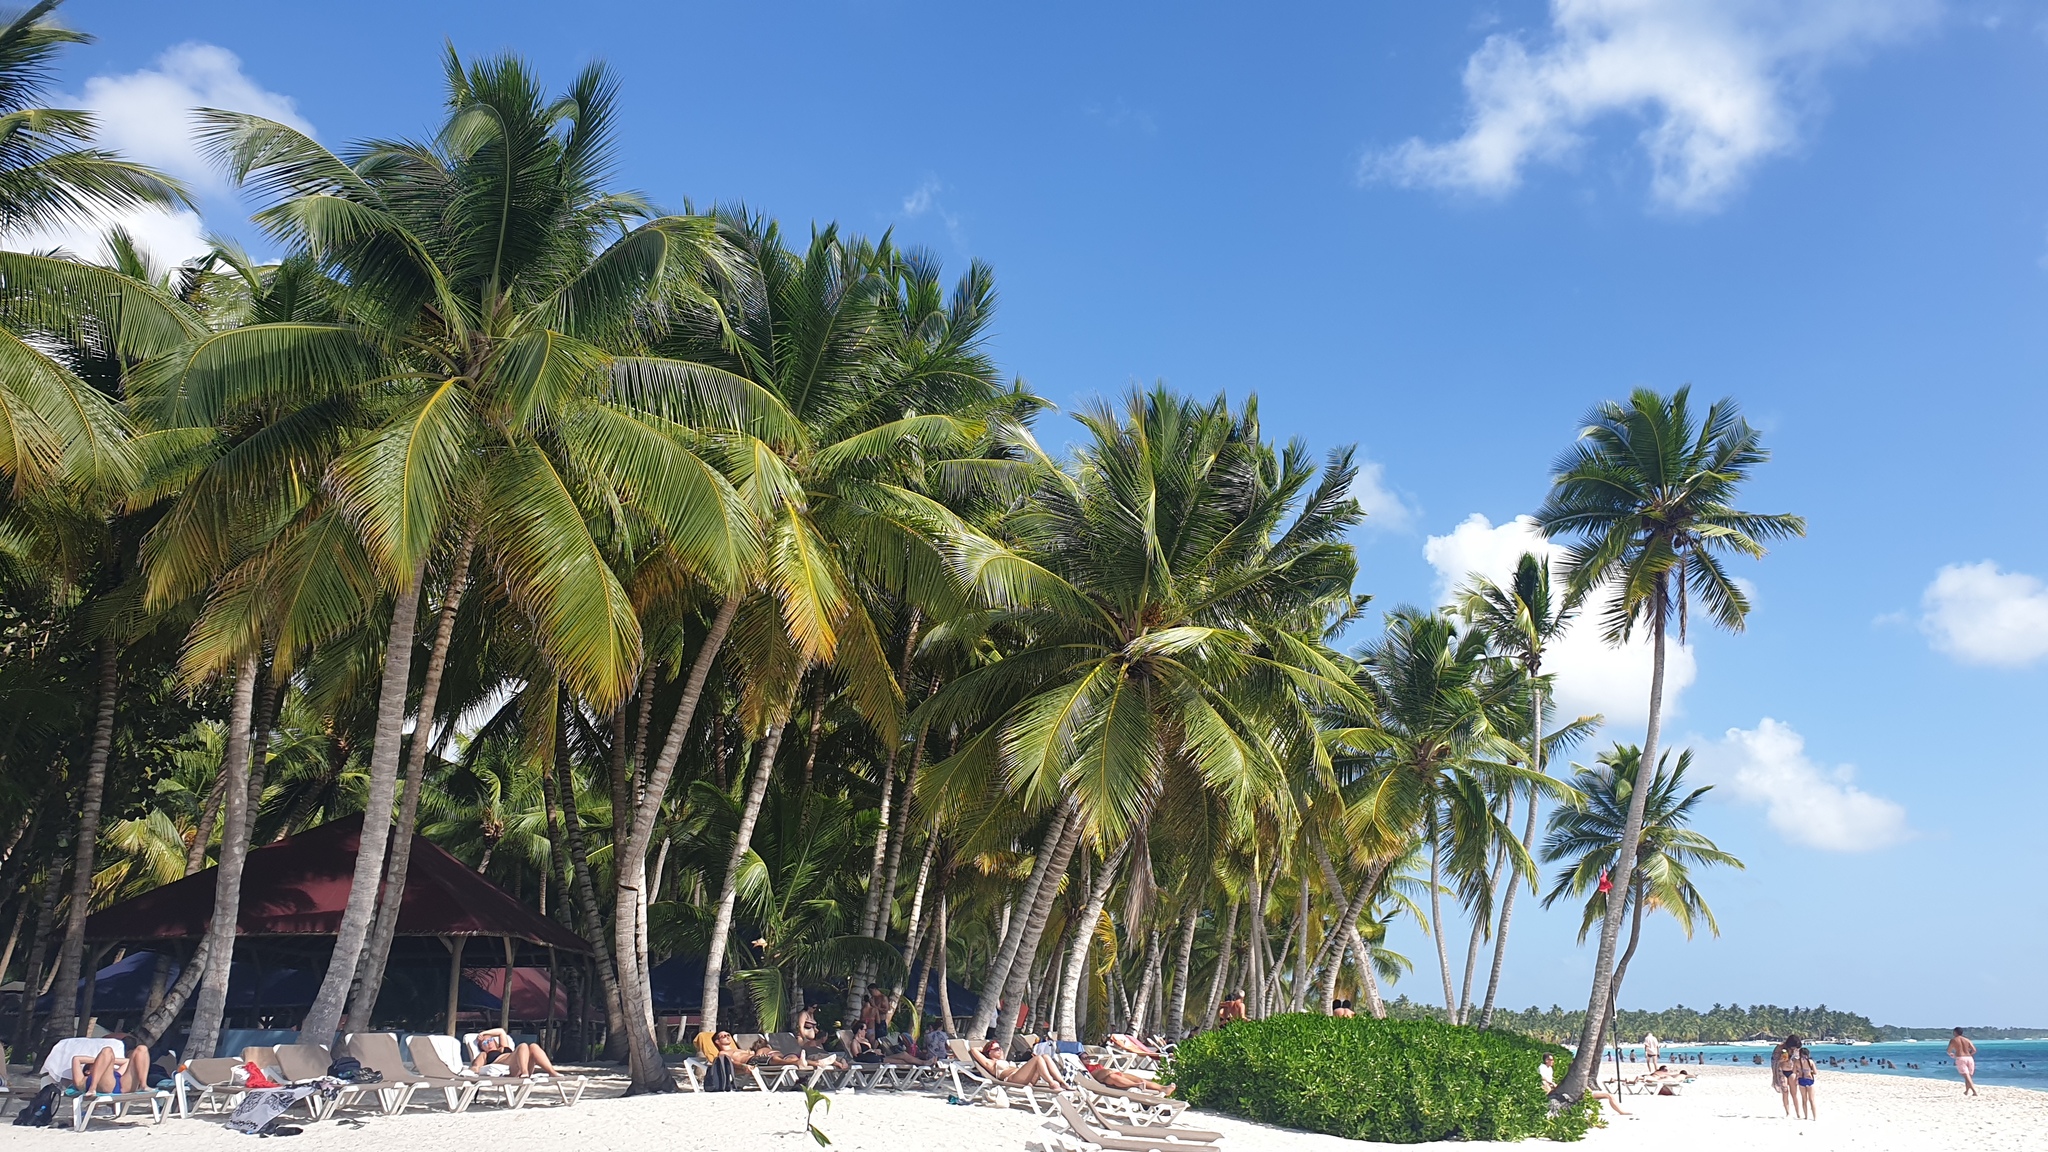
(497, 1047)
(1036, 1071)
(1784, 1072)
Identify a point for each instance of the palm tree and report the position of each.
(1588, 840)
(493, 284)
(1426, 758)
(1520, 621)
(1169, 593)
(1647, 498)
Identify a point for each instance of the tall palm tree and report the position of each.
(1646, 497)
(1425, 756)
(1588, 840)
(1521, 621)
(493, 288)
(1169, 593)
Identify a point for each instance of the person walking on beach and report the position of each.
(1650, 1043)
(1784, 1072)
(1964, 1052)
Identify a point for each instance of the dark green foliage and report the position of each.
(1721, 1024)
(1395, 1081)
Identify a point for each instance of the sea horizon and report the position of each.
(2011, 1063)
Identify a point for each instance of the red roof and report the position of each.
(297, 887)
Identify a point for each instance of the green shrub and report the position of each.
(1396, 1081)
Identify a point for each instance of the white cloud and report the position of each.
(1591, 674)
(920, 201)
(1720, 84)
(147, 116)
(1981, 614)
(1384, 508)
(1806, 803)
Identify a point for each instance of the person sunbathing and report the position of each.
(1036, 1071)
(1134, 1046)
(497, 1047)
(765, 1055)
(109, 1071)
(1548, 1071)
(868, 1050)
(1129, 1082)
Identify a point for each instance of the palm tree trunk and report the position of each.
(1034, 929)
(1344, 933)
(1624, 865)
(202, 836)
(729, 890)
(377, 954)
(629, 863)
(219, 944)
(1222, 969)
(874, 912)
(579, 866)
(1436, 917)
(39, 950)
(887, 903)
(324, 1018)
(1507, 903)
(939, 947)
(1142, 1003)
(1635, 937)
(1482, 919)
(1184, 958)
(1299, 992)
(914, 932)
(1361, 954)
(817, 730)
(159, 1019)
(1012, 933)
(1084, 937)
(64, 1018)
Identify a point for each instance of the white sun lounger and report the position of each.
(1086, 1129)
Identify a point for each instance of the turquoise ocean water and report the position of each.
(2016, 1063)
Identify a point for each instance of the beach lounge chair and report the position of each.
(569, 1088)
(430, 1060)
(378, 1051)
(305, 1063)
(1086, 1129)
(1134, 1102)
(1109, 1118)
(964, 1072)
(201, 1083)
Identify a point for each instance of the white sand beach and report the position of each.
(1726, 1110)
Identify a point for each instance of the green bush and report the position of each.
(1396, 1081)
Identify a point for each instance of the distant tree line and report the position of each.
(1720, 1024)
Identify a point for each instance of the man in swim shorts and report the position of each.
(1964, 1052)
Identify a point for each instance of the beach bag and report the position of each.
(40, 1111)
(935, 1047)
(350, 1070)
(258, 1112)
(719, 1077)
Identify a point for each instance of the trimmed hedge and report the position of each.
(1395, 1081)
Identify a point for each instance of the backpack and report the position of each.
(41, 1111)
(350, 1070)
(719, 1076)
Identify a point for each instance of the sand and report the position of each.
(1726, 1110)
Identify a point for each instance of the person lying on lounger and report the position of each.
(497, 1047)
(765, 1055)
(1134, 1046)
(1036, 1071)
(1116, 1078)
(109, 1071)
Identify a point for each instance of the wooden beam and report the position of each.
(454, 947)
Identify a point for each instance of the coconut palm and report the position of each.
(1521, 621)
(1168, 594)
(1588, 840)
(1426, 758)
(481, 360)
(1646, 498)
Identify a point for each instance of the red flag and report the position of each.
(1606, 885)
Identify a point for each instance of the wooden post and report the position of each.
(505, 1000)
(454, 946)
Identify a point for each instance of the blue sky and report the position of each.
(1441, 231)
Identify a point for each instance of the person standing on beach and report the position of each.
(1784, 1063)
(1803, 1066)
(1964, 1052)
(1650, 1050)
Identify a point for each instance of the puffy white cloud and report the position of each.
(1805, 802)
(1591, 674)
(146, 115)
(1719, 82)
(1384, 508)
(920, 201)
(1982, 614)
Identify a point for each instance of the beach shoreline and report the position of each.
(1723, 1108)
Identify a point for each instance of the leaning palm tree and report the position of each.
(1425, 758)
(1647, 498)
(494, 285)
(1521, 621)
(1169, 593)
(1587, 840)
